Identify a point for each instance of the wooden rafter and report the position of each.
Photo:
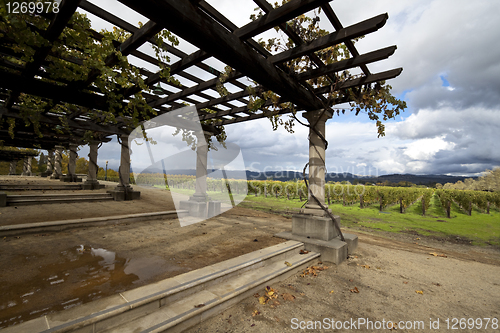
(202, 25)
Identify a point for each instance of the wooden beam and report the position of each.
(48, 90)
(277, 16)
(193, 25)
(66, 9)
(382, 76)
(74, 124)
(348, 63)
(337, 37)
(330, 14)
(192, 90)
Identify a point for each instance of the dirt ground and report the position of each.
(152, 200)
(378, 283)
(42, 273)
(47, 272)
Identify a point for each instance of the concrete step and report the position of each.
(186, 312)
(36, 199)
(175, 304)
(55, 226)
(40, 187)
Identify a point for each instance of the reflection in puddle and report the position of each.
(79, 275)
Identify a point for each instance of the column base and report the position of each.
(199, 198)
(315, 210)
(3, 199)
(201, 209)
(195, 208)
(92, 185)
(122, 194)
(70, 179)
(214, 208)
(316, 227)
(55, 176)
(45, 174)
(320, 235)
(334, 250)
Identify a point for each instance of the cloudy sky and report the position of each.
(451, 82)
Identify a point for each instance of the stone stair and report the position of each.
(175, 304)
(37, 199)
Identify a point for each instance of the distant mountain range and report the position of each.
(334, 177)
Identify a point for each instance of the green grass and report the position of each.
(480, 228)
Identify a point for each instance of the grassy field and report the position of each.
(479, 229)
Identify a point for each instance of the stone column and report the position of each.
(12, 169)
(56, 174)
(124, 169)
(50, 164)
(50, 161)
(124, 191)
(316, 160)
(27, 166)
(314, 227)
(91, 183)
(200, 193)
(197, 204)
(73, 155)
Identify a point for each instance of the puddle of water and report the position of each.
(79, 275)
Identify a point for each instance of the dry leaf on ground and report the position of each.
(288, 264)
(255, 313)
(438, 255)
(288, 297)
(419, 292)
(313, 270)
(365, 266)
(199, 305)
(354, 290)
(304, 252)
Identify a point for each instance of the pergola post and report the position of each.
(50, 164)
(314, 226)
(56, 174)
(200, 194)
(12, 168)
(27, 166)
(91, 183)
(317, 121)
(124, 191)
(73, 155)
(197, 204)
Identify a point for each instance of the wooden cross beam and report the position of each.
(197, 27)
(55, 28)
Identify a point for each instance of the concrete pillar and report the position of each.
(27, 166)
(317, 119)
(124, 170)
(50, 162)
(200, 194)
(124, 191)
(313, 226)
(12, 168)
(73, 155)
(56, 174)
(91, 183)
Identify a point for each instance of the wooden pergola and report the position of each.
(202, 25)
